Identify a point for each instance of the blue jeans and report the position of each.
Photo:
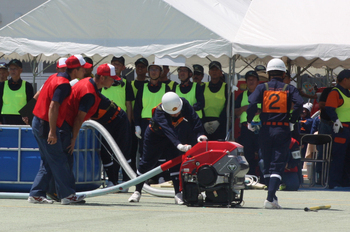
(55, 161)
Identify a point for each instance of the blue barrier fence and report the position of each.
(20, 159)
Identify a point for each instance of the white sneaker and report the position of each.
(40, 200)
(135, 197)
(276, 202)
(178, 199)
(271, 205)
(73, 199)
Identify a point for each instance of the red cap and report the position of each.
(77, 61)
(61, 63)
(107, 70)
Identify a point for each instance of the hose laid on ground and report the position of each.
(119, 155)
(123, 163)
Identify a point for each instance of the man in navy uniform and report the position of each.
(167, 135)
(276, 99)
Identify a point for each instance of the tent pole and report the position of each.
(230, 118)
(299, 72)
(99, 61)
(34, 65)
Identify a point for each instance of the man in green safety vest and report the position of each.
(215, 97)
(248, 139)
(149, 96)
(132, 87)
(191, 91)
(14, 94)
(117, 92)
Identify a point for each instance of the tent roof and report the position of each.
(194, 29)
(301, 30)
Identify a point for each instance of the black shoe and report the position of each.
(53, 196)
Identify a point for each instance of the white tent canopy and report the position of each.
(194, 29)
(302, 30)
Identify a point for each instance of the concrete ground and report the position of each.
(152, 213)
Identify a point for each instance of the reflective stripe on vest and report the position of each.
(150, 100)
(190, 97)
(214, 102)
(245, 102)
(116, 94)
(13, 100)
(343, 111)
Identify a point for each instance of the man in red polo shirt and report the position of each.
(85, 98)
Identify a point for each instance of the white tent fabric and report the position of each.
(302, 30)
(194, 29)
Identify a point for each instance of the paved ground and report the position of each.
(161, 214)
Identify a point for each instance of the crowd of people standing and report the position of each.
(153, 112)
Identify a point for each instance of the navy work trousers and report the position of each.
(274, 144)
(55, 161)
(250, 142)
(339, 169)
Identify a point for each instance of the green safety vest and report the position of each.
(190, 96)
(116, 94)
(214, 102)
(171, 84)
(343, 111)
(13, 100)
(244, 102)
(150, 100)
(134, 89)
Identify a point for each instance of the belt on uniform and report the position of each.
(114, 115)
(346, 124)
(276, 123)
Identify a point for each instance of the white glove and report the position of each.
(250, 127)
(336, 126)
(291, 126)
(184, 148)
(202, 138)
(138, 132)
(210, 127)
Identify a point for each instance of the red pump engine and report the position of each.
(213, 173)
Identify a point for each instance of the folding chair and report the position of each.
(326, 141)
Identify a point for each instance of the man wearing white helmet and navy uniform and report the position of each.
(166, 134)
(276, 98)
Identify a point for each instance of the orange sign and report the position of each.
(275, 102)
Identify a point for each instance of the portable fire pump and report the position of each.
(213, 173)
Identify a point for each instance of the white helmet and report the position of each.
(186, 66)
(171, 103)
(276, 64)
(308, 106)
